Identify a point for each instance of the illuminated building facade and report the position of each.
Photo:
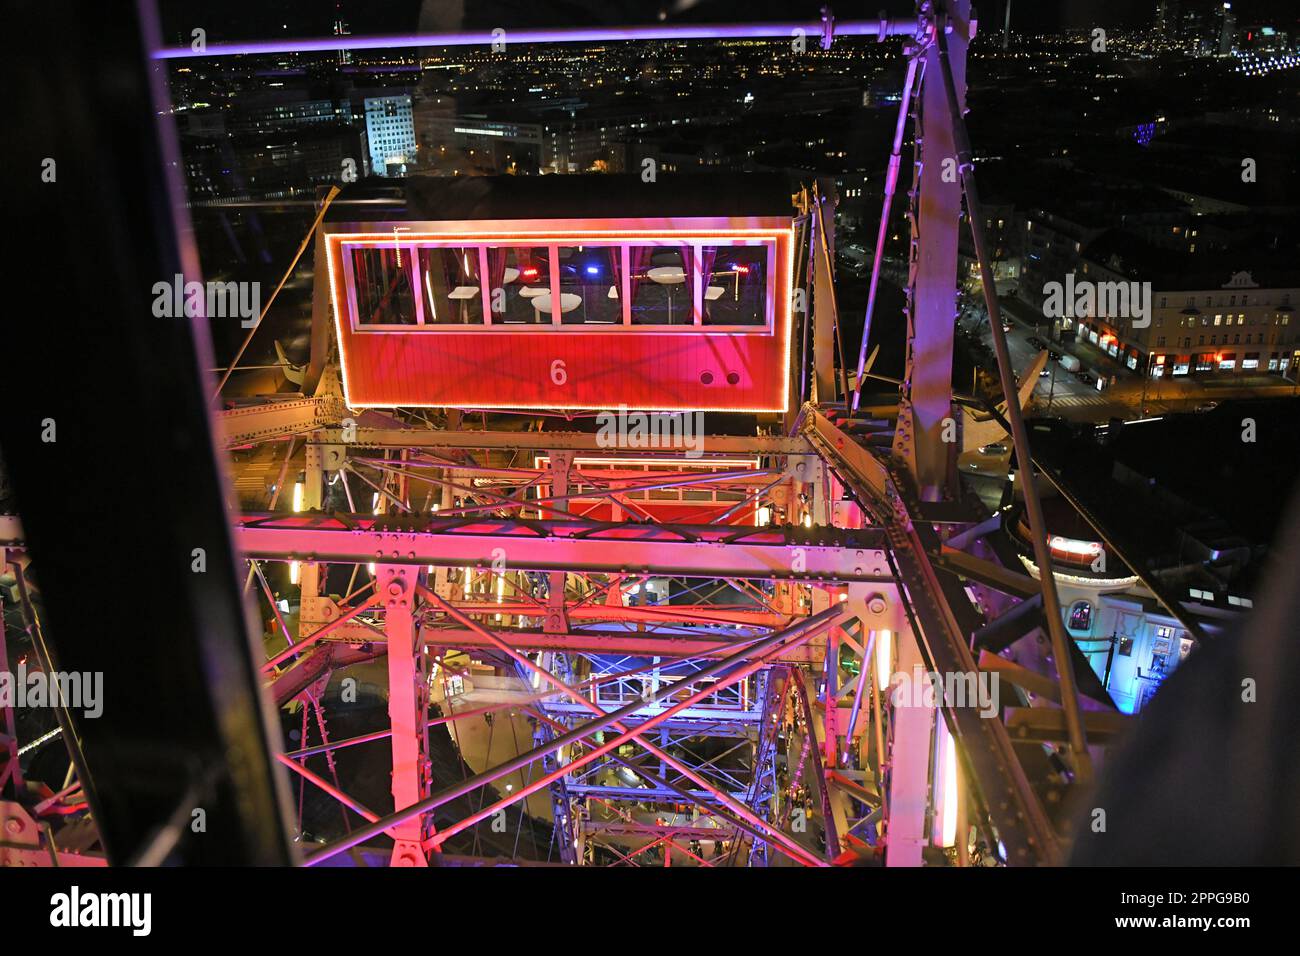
(390, 132)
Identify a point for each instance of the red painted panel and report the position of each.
(680, 512)
(669, 504)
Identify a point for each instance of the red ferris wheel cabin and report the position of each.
(567, 292)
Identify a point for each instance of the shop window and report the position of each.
(1080, 616)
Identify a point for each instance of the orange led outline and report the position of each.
(337, 238)
(686, 462)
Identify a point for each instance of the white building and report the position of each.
(390, 131)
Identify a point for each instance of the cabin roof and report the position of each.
(445, 198)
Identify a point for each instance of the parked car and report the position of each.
(991, 461)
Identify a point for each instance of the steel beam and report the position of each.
(926, 398)
(276, 419)
(951, 76)
(584, 547)
(587, 442)
(672, 619)
(827, 29)
(407, 710)
(987, 573)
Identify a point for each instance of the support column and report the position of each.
(408, 699)
(904, 759)
(926, 399)
(831, 699)
(312, 611)
(556, 620)
(825, 332)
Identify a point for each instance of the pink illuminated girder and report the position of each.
(880, 28)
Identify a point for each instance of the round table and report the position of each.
(568, 302)
(667, 275)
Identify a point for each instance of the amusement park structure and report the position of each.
(592, 466)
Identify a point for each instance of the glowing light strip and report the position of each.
(338, 327)
(686, 462)
(948, 786)
(602, 34)
(544, 406)
(789, 317)
(1076, 579)
(39, 740)
(433, 303)
(1075, 546)
(884, 661)
(477, 237)
(732, 463)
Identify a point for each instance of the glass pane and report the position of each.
(590, 280)
(661, 285)
(451, 290)
(736, 290)
(384, 293)
(519, 279)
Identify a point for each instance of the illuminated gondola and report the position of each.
(590, 311)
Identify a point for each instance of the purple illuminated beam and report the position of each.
(680, 31)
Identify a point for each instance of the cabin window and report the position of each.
(590, 285)
(384, 277)
(736, 289)
(451, 288)
(660, 286)
(519, 285)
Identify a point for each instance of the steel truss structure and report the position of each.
(727, 691)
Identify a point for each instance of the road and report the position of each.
(1060, 394)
